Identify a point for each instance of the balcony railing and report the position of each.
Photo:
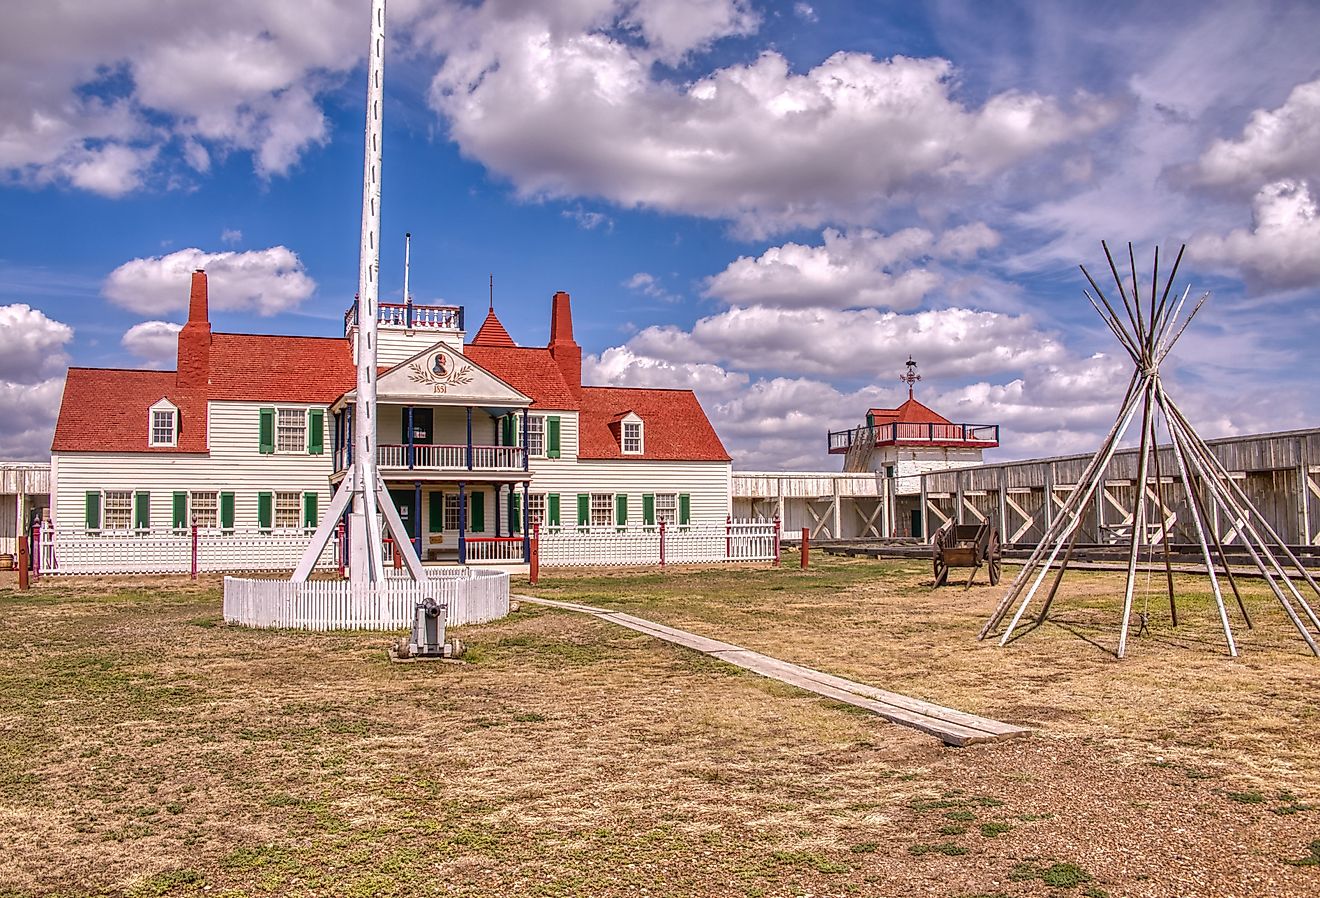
(980, 436)
(409, 316)
(428, 457)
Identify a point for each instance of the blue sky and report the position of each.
(773, 203)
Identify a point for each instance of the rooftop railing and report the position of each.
(982, 436)
(409, 316)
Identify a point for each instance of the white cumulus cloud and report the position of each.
(758, 143)
(1282, 249)
(155, 342)
(265, 281)
(32, 360)
(1274, 144)
(846, 270)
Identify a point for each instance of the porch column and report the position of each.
(525, 457)
(412, 455)
(462, 522)
(469, 437)
(498, 488)
(417, 516)
(526, 531)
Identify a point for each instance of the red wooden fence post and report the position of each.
(22, 562)
(728, 536)
(662, 544)
(806, 547)
(395, 553)
(194, 550)
(776, 540)
(343, 549)
(534, 568)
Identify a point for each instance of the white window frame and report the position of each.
(116, 527)
(632, 421)
(452, 511)
(535, 436)
(207, 497)
(280, 431)
(536, 510)
(297, 511)
(667, 516)
(163, 407)
(597, 503)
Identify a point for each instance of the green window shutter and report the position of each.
(648, 509)
(265, 510)
(552, 509)
(310, 516)
(142, 511)
(584, 509)
(684, 509)
(436, 512)
(515, 512)
(621, 509)
(552, 436)
(180, 510)
(508, 439)
(316, 431)
(267, 432)
(93, 511)
(477, 520)
(227, 511)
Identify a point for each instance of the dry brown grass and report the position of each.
(146, 750)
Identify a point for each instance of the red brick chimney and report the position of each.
(563, 348)
(194, 368)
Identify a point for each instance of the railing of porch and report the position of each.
(495, 548)
(450, 457)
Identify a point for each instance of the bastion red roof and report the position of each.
(910, 412)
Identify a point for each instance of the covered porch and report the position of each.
(474, 522)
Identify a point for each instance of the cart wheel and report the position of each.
(941, 571)
(995, 552)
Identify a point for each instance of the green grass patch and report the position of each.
(995, 828)
(810, 860)
(1058, 875)
(1246, 797)
(175, 882)
(952, 849)
(1310, 859)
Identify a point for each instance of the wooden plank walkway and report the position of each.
(946, 724)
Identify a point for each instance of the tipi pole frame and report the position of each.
(1249, 514)
(1196, 512)
(1071, 518)
(1164, 519)
(1138, 510)
(1064, 520)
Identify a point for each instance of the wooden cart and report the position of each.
(967, 545)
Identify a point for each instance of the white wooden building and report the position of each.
(249, 435)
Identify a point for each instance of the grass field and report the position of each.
(146, 749)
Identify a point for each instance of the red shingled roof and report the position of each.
(492, 333)
(267, 368)
(910, 412)
(674, 426)
(530, 371)
(105, 410)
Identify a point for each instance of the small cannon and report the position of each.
(967, 545)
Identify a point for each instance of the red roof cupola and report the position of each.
(194, 365)
(492, 332)
(563, 348)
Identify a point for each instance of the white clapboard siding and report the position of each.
(698, 544)
(470, 597)
(235, 465)
(706, 482)
(394, 345)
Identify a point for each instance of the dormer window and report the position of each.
(163, 424)
(631, 439)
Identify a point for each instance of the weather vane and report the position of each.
(911, 377)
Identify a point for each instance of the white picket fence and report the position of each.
(472, 597)
(639, 545)
(76, 551)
